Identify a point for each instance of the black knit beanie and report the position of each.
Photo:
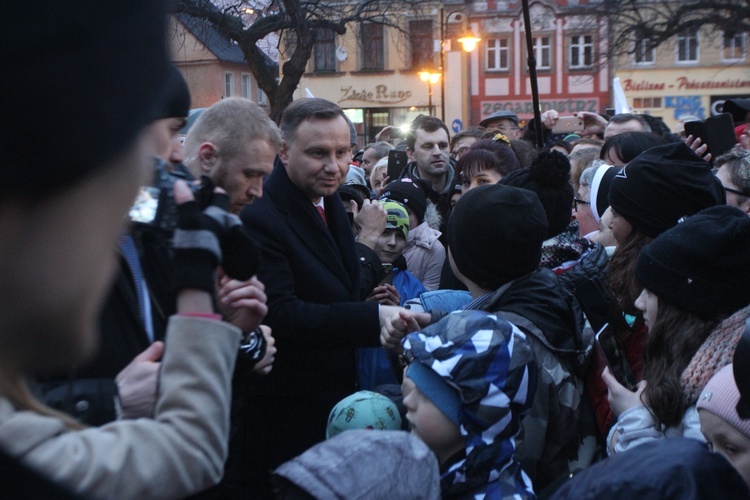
(663, 184)
(701, 265)
(548, 176)
(176, 103)
(80, 80)
(408, 193)
(495, 234)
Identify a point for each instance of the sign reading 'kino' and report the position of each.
(380, 95)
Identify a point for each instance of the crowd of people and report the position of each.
(275, 316)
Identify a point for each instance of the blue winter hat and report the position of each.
(433, 386)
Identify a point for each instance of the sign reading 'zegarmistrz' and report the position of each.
(525, 107)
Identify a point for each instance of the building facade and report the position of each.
(373, 71)
(570, 46)
(687, 78)
(213, 66)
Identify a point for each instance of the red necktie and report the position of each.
(322, 214)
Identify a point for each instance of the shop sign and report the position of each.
(683, 83)
(685, 105)
(526, 107)
(381, 94)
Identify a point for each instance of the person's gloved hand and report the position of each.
(205, 239)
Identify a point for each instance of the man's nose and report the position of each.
(255, 189)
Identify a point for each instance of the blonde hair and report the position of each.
(229, 124)
(16, 391)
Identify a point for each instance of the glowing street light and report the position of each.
(468, 42)
(430, 78)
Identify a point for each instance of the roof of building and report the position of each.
(221, 46)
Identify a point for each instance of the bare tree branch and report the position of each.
(295, 19)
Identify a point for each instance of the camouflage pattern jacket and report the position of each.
(548, 314)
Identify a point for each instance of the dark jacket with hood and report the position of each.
(539, 305)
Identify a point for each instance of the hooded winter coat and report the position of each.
(424, 253)
(539, 305)
(366, 464)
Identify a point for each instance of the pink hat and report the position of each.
(721, 396)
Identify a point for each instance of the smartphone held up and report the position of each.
(615, 358)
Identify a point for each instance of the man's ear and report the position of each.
(409, 154)
(284, 152)
(208, 157)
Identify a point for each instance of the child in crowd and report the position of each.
(424, 253)
(470, 377)
(399, 285)
(724, 430)
(693, 276)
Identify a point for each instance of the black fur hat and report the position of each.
(548, 176)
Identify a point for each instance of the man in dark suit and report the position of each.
(311, 269)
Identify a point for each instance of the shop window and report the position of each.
(734, 46)
(497, 54)
(646, 102)
(422, 44)
(687, 46)
(373, 56)
(581, 51)
(325, 50)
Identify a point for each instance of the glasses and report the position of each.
(577, 201)
(734, 191)
(458, 153)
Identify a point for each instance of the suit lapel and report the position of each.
(305, 222)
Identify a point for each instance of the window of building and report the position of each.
(543, 52)
(644, 52)
(687, 46)
(646, 102)
(246, 86)
(498, 54)
(373, 55)
(228, 84)
(325, 50)
(262, 97)
(422, 45)
(734, 46)
(581, 51)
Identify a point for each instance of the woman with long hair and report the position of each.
(694, 276)
(647, 197)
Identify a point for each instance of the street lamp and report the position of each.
(430, 78)
(468, 42)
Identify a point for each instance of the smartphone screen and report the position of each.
(694, 128)
(567, 125)
(719, 134)
(616, 360)
(396, 162)
(145, 206)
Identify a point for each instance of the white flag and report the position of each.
(621, 103)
